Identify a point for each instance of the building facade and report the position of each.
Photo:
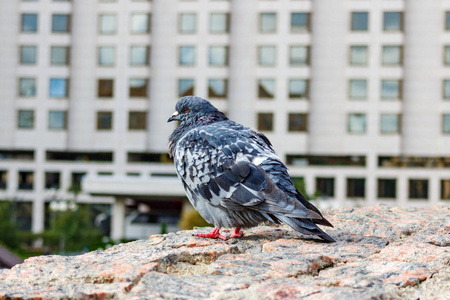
(354, 94)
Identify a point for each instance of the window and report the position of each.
(52, 180)
(356, 187)
(138, 87)
(266, 55)
(26, 180)
(217, 88)
(299, 55)
(187, 55)
(137, 120)
(356, 123)
(445, 189)
(360, 21)
(60, 23)
(25, 119)
(27, 87)
(392, 55)
(266, 88)
(59, 55)
(358, 89)
(390, 123)
(447, 55)
(447, 89)
(3, 179)
(29, 23)
(391, 89)
(219, 23)
(418, 189)
(185, 87)
(358, 55)
(188, 23)
(104, 120)
(58, 88)
(447, 20)
(140, 23)
(57, 119)
(265, 121)
(387, 188)
(76, 180)
(446, 123)
(218, 56)
(300, 22)
(28, 54)
(325, 187)
(139, 55)
(106, 55)
(298, 88)
(105, 88)
(393, 21)
(107, 24)
(297, 122)
(267, 22)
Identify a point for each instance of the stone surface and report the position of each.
(381, 253)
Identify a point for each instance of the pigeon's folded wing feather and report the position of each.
(235, 182)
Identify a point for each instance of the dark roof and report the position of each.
(8, 259)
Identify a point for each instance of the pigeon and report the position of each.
(232, 176)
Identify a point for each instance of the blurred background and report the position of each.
(354, 95)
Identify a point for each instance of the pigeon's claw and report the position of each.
(237, 233)
(215, 234)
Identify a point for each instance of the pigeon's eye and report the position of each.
(186, 110)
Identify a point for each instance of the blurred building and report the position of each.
(354, 94)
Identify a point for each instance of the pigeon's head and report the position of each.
(194, 110)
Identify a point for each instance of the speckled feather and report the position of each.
(231, 174)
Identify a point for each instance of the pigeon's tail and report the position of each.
(305, 226)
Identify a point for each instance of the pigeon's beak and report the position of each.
(174, 117)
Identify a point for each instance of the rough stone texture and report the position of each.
(381, 253)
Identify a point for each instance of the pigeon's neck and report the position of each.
(187, 125)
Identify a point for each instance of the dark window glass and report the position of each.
(418, 189)
(61, 23)
(26, 180)
(104, 120)
(25, 119)
(445, 189)
(3, 179)
(52, 180)
(27, 87)
(387, 188)
(105, 88)
(265, 121)
(138, 87)
(356, 187)
(28, 55)
(325, 187)
(298, 122)
(137, 120)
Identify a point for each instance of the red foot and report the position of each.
(212, 235)
(237, 233)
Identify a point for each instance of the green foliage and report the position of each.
(9, 231)
(72, 231)
(190, 218)
(300, 185)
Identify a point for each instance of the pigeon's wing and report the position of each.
(221, 165)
